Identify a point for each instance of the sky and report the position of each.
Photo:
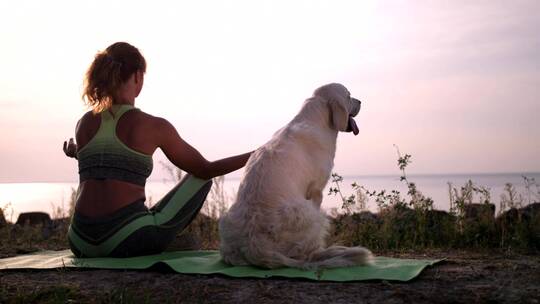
(454, 83)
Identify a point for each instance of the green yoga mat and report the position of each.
(209, 262)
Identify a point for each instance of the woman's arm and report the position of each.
(187, 158)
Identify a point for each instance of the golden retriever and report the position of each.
(276, 220)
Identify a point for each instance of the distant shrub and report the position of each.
(410, 222)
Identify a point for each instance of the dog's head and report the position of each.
(342, 106)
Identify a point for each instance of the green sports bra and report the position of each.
(106, 157)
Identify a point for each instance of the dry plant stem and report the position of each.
(336, 181)
(402, 167)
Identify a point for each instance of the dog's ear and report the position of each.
(339, 114)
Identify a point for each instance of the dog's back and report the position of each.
(271, 226)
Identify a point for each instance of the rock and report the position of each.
(509, 216)
(439, 215)
(34, 219)
(530, 216)
(46, 232)
(520, 227)
(403, 215)
(404, 221)
(356, 220)
(436, 219)
(3, 221)
(477, 211)
(61, 223)
(353, 229)
(440, 227)
(530, 212)
(507, 224)
(478, 228)
(366, 217)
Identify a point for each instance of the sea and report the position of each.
(54, 198)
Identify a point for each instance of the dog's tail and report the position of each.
(339, 256)
(331, 257)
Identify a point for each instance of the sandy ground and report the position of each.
(464, 277)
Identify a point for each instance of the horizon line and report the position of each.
(344, 176)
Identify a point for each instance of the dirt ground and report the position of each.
(464, 277)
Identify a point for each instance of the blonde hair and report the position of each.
(109, 70)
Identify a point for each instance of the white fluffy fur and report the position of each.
(276, 219)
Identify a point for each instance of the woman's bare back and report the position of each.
(103, 197)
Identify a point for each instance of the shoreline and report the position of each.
(48, 197)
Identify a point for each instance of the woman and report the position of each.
(115, 143)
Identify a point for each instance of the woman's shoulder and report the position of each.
(153, 123)
(144, 117)
(153, 126)
(156, 121)
(88, 118)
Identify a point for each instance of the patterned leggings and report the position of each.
(136, 230)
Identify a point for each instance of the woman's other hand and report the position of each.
(70, 148)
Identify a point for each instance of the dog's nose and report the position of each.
(355, 106)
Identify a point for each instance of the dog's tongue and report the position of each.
(352, 126)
